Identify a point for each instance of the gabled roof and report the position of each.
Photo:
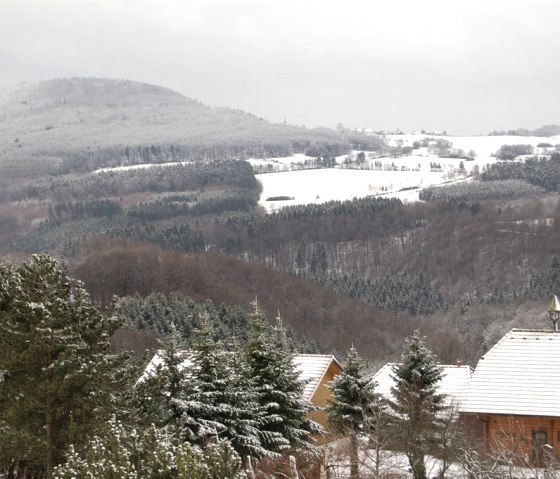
(312, 369)
(520, 375)
(454, 382)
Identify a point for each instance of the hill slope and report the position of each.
(89, 115)
(110, 267)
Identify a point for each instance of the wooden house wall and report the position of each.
(514, 435)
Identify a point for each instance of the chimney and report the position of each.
(459, 362)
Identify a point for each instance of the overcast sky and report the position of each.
(466, 66)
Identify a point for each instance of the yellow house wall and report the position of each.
(323, 394)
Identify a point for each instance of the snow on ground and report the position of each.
(412, 171)
(318, 186)
(143, 165)
(485, 146)
(395, 465)
(280, 164)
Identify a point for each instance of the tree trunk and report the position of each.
(354, 463)
(418, 467)
(50, 436)
(293, 468)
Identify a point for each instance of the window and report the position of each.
(540, 439)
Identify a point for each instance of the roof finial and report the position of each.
(554, 311)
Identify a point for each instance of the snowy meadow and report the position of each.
(401, 177)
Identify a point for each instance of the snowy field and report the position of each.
(484, 146)
(320, 185)
(406, 172)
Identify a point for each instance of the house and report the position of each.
(513, 400)
(453, 385)
(315, 370)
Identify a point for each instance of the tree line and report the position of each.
(481, 190)
(540, 171)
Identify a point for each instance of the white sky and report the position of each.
(466, 66)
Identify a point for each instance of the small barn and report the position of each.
(513, 401)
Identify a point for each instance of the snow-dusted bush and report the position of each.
(128, 454)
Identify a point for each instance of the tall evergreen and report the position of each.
(416, 402)
(278, 386)
(58, 381)
(155, 393)
(355, 406)
(220, 401)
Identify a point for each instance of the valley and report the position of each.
(426, 229)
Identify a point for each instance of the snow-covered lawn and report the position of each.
(395, 465)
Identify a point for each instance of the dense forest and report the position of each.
(349, 266)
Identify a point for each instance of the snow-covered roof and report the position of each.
(312, 368)
(157, 361)
(520, 375)
(454, 382)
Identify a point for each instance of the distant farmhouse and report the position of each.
(316, 371)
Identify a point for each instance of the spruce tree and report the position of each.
(279, 389)
(154, 394)
(355, 408)
(58, 380)
(220, 401)
(416, 402)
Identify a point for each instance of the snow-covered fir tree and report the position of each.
(220, 402)
(155, 394)
(416, 402)
(59, 383)
(279, 388)
(355, 408)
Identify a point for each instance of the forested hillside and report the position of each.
(364, 271)
(81, 124)
(330, 321)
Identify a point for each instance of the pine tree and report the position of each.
(220, 401)
(416, 402)
(154, 395)
(58, 381)
(355, 408)
(278, 386)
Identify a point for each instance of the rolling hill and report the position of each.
(102, 117)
